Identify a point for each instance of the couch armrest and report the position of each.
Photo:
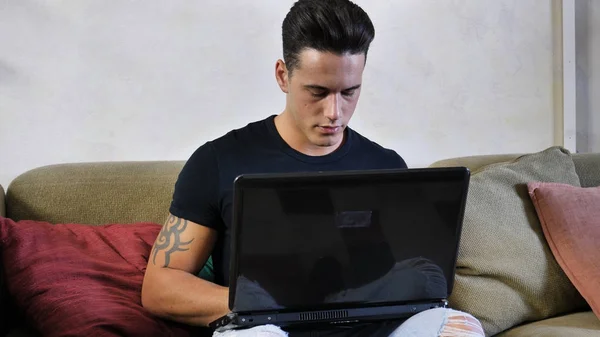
(2, 202)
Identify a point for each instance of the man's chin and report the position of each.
(328, 141)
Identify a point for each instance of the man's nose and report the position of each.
(333, 109)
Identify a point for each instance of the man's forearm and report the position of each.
(183, 297)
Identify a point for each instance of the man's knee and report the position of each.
(257, 331)
(460, 323)
(441, 322)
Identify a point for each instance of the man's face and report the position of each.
(322, 93)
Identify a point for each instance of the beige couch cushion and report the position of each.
(475, 163)
(506, 274)
(2, 206)
(588, 168)
(583, 324)
(586, 164)
(94, 193)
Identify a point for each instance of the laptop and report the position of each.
(343, 248)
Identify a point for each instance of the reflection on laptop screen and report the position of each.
(303, 245)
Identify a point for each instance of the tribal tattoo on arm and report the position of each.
(169, 239)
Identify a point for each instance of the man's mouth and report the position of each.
(329, 129)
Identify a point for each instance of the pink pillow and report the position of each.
(80, 280)
(570, 218)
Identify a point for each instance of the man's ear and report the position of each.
(281, 75)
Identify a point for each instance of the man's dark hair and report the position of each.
(336, 26)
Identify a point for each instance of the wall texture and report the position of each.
(152, 80)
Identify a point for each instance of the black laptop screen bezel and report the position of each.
(270, 180)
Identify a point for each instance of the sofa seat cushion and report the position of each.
(582, 324)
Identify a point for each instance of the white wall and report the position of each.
(588, 75)
(152, 80)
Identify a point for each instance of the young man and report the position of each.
(325, 46)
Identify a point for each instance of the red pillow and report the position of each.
(80, 280)
(570, 218)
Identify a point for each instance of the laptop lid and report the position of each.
(326, 240)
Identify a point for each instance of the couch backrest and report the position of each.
(123, 192)
(587, 165)
(2, 206)
(588, 168)
(94, 193)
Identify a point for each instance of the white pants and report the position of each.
(437, 322)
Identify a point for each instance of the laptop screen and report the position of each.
(315, 243)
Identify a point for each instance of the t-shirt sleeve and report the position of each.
(196, 196)
(397, 161)
(401, 162)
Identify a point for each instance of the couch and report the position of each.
(507, 302)
(130, 192)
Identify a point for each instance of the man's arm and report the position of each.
(171, 288)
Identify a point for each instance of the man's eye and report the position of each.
(319, 94)
(349, 93)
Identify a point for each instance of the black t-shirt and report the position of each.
(204, 190)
